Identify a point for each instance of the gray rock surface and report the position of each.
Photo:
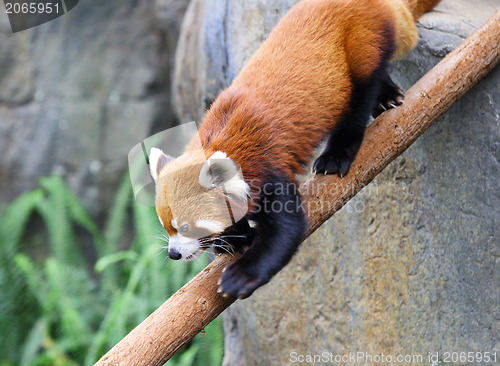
(411, 264)
(78, 92)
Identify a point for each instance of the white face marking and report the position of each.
(174, 223)
(252, 223)
(210, 225)
(187, 247)
(161, 222)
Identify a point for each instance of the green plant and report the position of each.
(58, 310)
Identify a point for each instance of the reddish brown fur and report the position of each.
(298, 84)
(419, 7)
(324, 63)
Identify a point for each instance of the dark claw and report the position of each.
(390, 97)
(243, 295)
(328, 164)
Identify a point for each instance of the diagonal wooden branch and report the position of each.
(190, 309)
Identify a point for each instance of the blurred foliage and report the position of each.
(57, 310)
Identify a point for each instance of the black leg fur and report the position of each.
(281, 225)
(344, 142)
(236, 238)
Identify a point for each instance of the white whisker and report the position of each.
(211, 255)
(162, 250)
(225, 249)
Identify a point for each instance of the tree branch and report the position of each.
(190, 309)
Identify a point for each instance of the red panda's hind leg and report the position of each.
(345, 140)
(390, 96)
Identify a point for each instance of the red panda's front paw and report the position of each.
(237, 282)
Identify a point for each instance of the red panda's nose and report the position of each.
(174, 254)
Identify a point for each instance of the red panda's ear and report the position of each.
(217, 170)
(157, 160)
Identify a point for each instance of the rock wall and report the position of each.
(78, 92)
(410, 265)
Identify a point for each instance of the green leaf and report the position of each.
(33, 343)
(61, 310)
(104, 262)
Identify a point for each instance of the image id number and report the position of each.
(32, 8)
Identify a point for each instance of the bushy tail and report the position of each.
(419, 7)
(406, 13)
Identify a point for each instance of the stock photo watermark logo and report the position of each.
(208, 190)
(205, 193)
(31, 13)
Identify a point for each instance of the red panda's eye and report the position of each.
(184, 229)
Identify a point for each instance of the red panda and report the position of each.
(320, 74)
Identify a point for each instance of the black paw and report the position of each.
(329, 163)
(236, 281)
(390, 97)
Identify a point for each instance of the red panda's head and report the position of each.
(196, 198)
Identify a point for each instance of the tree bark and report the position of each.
(196, 304)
